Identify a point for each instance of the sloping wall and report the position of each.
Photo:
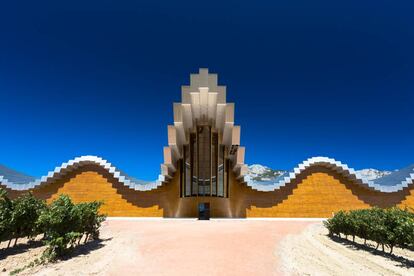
(408, 200)
(91, 182)
(90, 185)
(318, 192)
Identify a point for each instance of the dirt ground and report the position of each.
(314, 253)
(171, 247)
(216, 247)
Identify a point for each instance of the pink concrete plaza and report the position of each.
(191, 247)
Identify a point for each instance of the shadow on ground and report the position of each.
(85, 249)
(403, 262)
(19, 248)
(81, 249)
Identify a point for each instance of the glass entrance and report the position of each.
(203, 170)
(204, 211)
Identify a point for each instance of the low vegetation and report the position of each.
(62, 222)
(387, 227)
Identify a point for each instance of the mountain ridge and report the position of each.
(258, 172)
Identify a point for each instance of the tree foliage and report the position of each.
(26, 211)
(63, 223)
(387, 227)
(6, 211)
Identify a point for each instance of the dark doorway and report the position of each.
(204, 211)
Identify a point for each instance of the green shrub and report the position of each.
(62, 222)
(377, 227)
(6, 210)
(387, 227)
(362, 220)
(59, 223)
(89, 219)
(336, 224)
(26, 211)
(400, 227)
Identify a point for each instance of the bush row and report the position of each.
(62, 222)
(387, 227)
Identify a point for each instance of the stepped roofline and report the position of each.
(394, 182)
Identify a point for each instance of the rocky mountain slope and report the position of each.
(259, 172)
(372, 174)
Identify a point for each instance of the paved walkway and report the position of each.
(190, 247)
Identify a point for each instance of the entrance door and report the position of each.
(204, 211)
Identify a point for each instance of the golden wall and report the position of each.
(317, 192)
(94, 183)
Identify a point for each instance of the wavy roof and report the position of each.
(394, 182)
(15, 176)
(18, 181)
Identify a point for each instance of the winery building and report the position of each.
(204, 169)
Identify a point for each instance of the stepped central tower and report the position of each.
(204, 143)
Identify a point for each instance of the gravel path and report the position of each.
(313, 253)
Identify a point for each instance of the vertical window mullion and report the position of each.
(192, 169)
(227, 177)
(217, 162)
(181, 178)
(198, 161)
(211, 160)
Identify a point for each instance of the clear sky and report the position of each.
(308, 78)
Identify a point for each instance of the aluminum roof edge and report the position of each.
(81, 161)
(339, 167)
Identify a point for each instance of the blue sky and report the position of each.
(308, 78)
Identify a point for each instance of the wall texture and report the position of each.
(317, 192)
